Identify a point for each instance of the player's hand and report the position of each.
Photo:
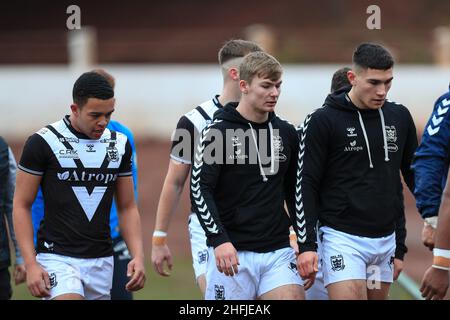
(227, 260)
(136, 270)
(20, 274)
(307, 266)
(428, 236)
(38, 281)
(161, 255)
(398, 268)
(434, 284)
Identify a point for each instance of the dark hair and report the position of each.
(236, 48)
(373, 56)
(91, 85)
(340, 79)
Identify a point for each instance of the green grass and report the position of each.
(179, 286)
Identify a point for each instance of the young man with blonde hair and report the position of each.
(244, 170)
(185, 136)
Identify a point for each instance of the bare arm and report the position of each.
(130, 229)
(171, 193)
(168, 202)
(26, 189)
(435, 282)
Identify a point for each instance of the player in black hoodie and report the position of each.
(352, 151)
(245, 166)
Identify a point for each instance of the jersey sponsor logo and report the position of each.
(352, 147)
(337, 262)
(69, 139)
(83, 176)
(219, 292)
(90, 148)
(351, 132)
(112, 153)
(68, 153)
(236, 143)
(391, 138)
(89, 202)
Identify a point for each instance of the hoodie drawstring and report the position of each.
(272, 156)
(365, 138)
(383, 127)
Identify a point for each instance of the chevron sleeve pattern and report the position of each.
(311, 158)
(431, 160)
(204, 177)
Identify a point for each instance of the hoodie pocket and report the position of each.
(372, 211)
(258, 218)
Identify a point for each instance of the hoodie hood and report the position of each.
(341, 101)
(229, 113)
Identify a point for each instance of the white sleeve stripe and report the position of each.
(122, 174)
(200, 203)
(36, 173)
(181, 160)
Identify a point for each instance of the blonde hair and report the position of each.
(260, 64)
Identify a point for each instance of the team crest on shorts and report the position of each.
(337, 262)
(52, 278)
(219, 292)
(112, 153)
(202, 256)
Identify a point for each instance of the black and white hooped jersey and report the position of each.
(78, 182)
(189, 127)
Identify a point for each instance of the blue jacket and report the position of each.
(432, 158)
(37, 210)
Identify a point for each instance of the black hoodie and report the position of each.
(350, 170)
(239, 198)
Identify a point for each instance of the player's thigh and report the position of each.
(201, 282)
(286, 292)
(279, 278)
(380, 292)
(347, 290)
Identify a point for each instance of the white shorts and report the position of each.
(318, 290)
(198, 245)
(258, 273)
(350, 257)
(90, 278)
